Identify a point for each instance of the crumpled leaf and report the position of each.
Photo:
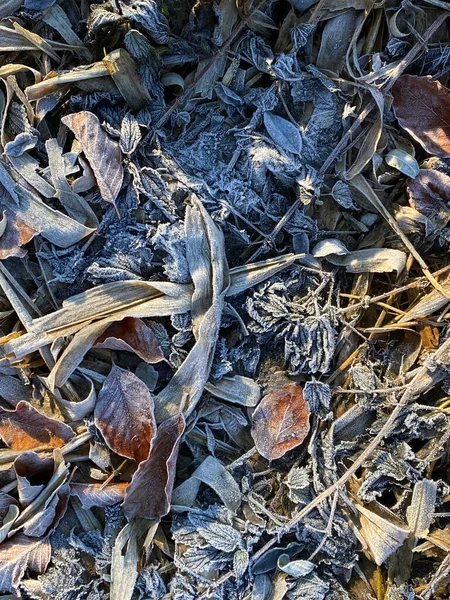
(130, 134)
(149, 493)
(428, 193)
(280, 421)
(25, 428)
(103, 154)
(284, 133)
(124, 414)
(19, 554)
(422, 107)
(132, 335)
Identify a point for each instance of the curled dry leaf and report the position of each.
(25, 428)
(124, 414)
(422, 107)
(383, 537)
(19, 554)
(103, 154)
(280, 421)
(132, 335)
(150, 490)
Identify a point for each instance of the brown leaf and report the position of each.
(33, 473)
(422, 107)
(18, 554)
(15, 235)
(280, 421)
(124, 414)
(150, 490)
(103, 154)
(94, 494)
(25, 428)
(132, 335)
(428, 193)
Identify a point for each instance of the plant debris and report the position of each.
(224, 293)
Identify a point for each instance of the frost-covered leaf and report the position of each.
(130, 134)
(150, 491)
(25, 428)
(222, 537)
(294, 568)
(132, 335)
(382, 536)
(94, 494)
(280, 421)
(103, 154)
(283, 133)
(422, 107)
(21, 143)
(124, 414)
(403, 162)
(19, 554)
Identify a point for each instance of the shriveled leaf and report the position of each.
(25, 428)
(280, 421)
(132, 335)
(428, 193)
(422, 107)
(150, 491)
(130, 134)
(124, 414)
(19, 554)
(284, 133)
(103, 154)
(95, 495)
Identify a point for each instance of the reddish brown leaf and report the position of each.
(124, 414)
(33, 473)
(18, 554)
(280, 421)
(103, 154)
(25, 428)
(94, 494)
(150, 490)
(428, 193)
(422, 107)
(132, 335)
(16, 233)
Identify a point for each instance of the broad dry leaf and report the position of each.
(428, 193)
(103, 154)
(93, 495)
(383, 537)
(124, 414)
(16, 233)
(25, 428)
(150, 490)
(280, 421)
(422, 107)
(19, 554)
(132, 335)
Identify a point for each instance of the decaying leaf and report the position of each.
(132, 335)
(25, 428)
(382, 536)
(280, 421)
(422, 107)
(150, 491)
(103, 154)
(19, 554)
(124, 414)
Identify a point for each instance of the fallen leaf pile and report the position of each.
(224, 300)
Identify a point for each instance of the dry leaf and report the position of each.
(132, 335)
(280, 421)
(103, 154)
(93, 495)
(150, 490)
(422, 107)
(16, 233)
(428, 193)
(124, 414)
(25, 428)
(383, 537)
(19, 554)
